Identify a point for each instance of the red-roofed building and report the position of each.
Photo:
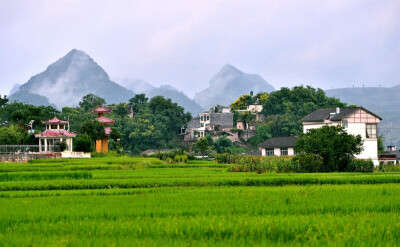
(102, 144)
(56, 132)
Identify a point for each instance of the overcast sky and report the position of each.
(325, 44)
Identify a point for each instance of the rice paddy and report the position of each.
(124, 201)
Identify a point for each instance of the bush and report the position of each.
(308, 162)
(388, 167)
(259, 164)
(169, 160)
(357, 165)
(83, 143)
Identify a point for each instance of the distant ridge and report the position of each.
(228, 84)
(73, 76)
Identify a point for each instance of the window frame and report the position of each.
(283, 150)
(374, 128)
(268, 152)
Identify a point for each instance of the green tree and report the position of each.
(3, 101)
(286, 107)
(12, 135)
(90, 102)
(139, 102)
(122, 110)
(333, 144)
(93, 128)
(83, 143)
(223, 145)
(242, 102)
(381, 146)
(202, 144)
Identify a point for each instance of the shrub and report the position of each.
(388, 167)
(358, 165)
(169, 160)
(308, 162)
(83, 143)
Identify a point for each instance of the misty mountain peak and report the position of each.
(228, 84)
(67, 80)
(228, 68)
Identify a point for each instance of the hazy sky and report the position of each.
(326, 44)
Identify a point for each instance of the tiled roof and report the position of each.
(101, 109)
(55, 133)
(54, 120)
(222, 119)
(323, 114)
(279, 142)
(194, 123)
(105, 120)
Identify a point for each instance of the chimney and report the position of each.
(337, 110)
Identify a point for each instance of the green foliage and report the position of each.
(263, 132)
(63, 146)
(3, 101)
(202, 144)
(333, 144)
(308, 163)
(223, 145)
(241, 103)
(90, 102)
(285, 107)
(93, 128)
(138, 103)
(388, 167)
(13, 135)
(381, 145)
(83, 143)
(358, 165)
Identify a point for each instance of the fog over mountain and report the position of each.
(228, 84)
(179, 97)
(73, 76)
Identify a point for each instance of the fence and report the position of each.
(17, 149)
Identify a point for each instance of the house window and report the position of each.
(269, 152)
(53, 127)
(284, 151)
(61, 126)
(371, 131)
(208, 118)
(212, 127)
(202, 125)
(201, 118)
(345, 124)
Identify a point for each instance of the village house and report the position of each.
(57, 131)
(356, 121)
(391, 155)
(278, 146)
(209, 122)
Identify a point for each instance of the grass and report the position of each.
(147, 203)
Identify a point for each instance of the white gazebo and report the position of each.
(56, 131)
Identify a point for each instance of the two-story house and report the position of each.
(356, 120)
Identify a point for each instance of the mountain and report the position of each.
(228, 84)
(140, 86)
(73, 76)
(380, 100)
(30, 98)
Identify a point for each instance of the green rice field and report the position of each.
(124, 201)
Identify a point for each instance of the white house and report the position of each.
(278, 146)
(356, 120)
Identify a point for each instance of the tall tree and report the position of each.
(333, 144)
(90, 102)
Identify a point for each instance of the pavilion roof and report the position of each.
(101, 109)
(54, 120)
(55, 133)
(105, 120)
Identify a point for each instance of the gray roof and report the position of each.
(194, 123)
(279, 142)
(222, 119)
(323, 114)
